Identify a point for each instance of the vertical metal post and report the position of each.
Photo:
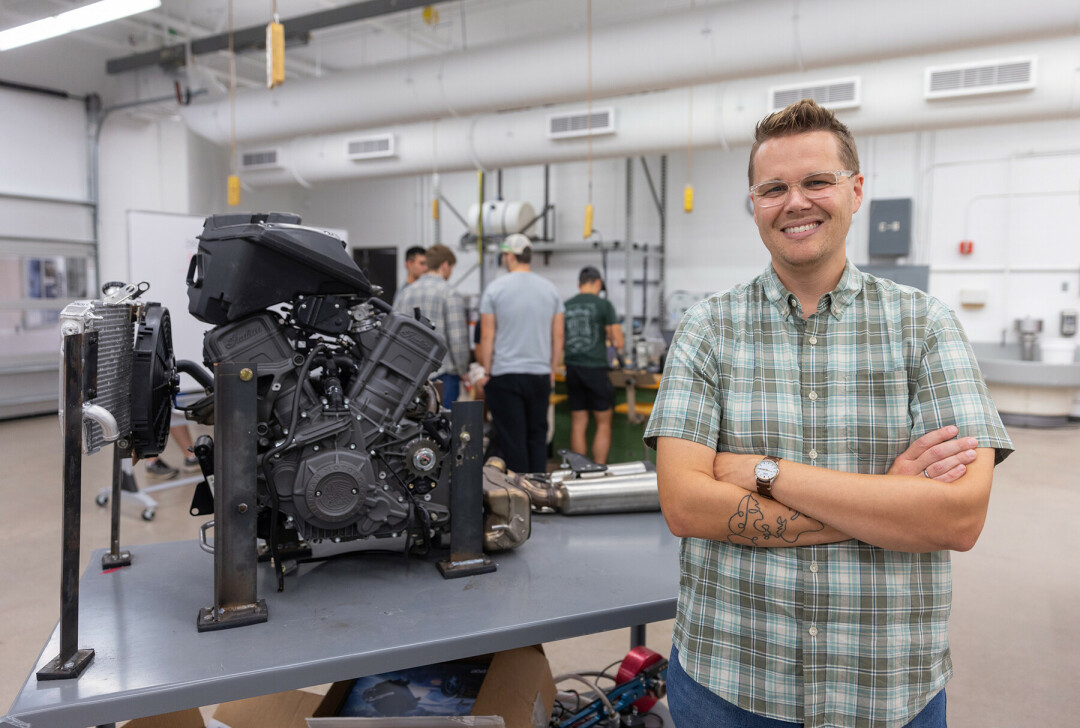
(467, 494)
(628, 263)
(71, 661)
(637, 636)
(662, 311)
(116, 557)
(547, 200)
(481, 252)
(236, 601)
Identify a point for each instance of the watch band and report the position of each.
(764, 487)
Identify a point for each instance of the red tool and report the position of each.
(633, 664)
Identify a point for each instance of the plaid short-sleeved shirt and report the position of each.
(438, 301)
(844, 634)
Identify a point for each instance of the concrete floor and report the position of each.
(1016, 608)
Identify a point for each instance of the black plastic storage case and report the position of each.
(260, 260)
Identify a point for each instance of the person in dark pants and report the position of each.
(521, 340)
(590, 322)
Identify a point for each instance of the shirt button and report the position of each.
(813, 396)
(813, 631)
(813, 340)
(813, 454)
(813, 567)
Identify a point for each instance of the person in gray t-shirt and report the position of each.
(521, 341)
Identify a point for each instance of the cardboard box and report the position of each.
(279, 710)
(518, 689)
(190, 718)
(429, 721)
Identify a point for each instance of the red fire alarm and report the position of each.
(966, 246)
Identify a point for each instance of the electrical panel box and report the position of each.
(1068, 322)
(890, 227)
(916, 276)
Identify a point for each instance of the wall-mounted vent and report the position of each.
(841, 93)
(577, 123)
(260, 159)
(378, 146)
(985, 77)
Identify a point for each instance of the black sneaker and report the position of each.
(191, 463)
(161, 470)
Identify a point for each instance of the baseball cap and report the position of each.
(516, 244)
(589, 274)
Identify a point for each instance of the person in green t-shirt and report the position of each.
(590, 322)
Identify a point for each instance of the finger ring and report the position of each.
(925, 474)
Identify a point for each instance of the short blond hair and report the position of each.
(800, 118)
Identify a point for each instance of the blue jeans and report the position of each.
(692, 705)
(451, 387)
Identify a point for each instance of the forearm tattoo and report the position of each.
(749, 527)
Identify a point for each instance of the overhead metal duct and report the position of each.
(892, 100)
(727, 41)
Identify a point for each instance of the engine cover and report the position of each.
(351, 441)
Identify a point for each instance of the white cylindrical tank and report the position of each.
(502, 217)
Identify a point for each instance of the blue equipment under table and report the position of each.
(356, 615)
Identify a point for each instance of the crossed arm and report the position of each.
(713, 495)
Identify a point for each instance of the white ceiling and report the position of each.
(461, 24)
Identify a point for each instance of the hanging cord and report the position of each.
(233, 166)
(688, 189)
(588, 227)
(588, 74)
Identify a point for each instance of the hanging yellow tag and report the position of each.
(234, 190)
(588, 221)
(430, 14)
(435, 209)
(275, 55)
(688, 198)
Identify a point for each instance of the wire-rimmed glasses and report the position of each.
(813, 186)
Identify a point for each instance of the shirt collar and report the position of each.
(835, 302)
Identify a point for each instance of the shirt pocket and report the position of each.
(877, 420)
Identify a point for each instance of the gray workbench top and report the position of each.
(351, 616)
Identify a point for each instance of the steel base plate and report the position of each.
(108, 561)
(215, 618)
(68, 669)
(467, 567)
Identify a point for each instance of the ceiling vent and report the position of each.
(378, 146)
(841, 93)
(577, 123)
(260, 159)
(985, 77)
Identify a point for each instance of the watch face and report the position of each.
(766, 470)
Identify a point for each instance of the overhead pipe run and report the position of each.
(713, 43)
(723, 115)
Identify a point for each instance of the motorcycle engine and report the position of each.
(352, 443)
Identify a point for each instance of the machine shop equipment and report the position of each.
(585, 487)
(326, 428)
(117, 380)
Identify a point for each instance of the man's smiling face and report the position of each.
(805, 237)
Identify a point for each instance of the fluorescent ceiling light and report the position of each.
(72, 20)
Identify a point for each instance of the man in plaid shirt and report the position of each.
(824, 438)
(432, 294)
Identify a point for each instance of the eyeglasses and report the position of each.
(813, 187)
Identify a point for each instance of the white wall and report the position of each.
(1027, 247)
(144, 166)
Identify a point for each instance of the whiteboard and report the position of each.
(160, 247)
